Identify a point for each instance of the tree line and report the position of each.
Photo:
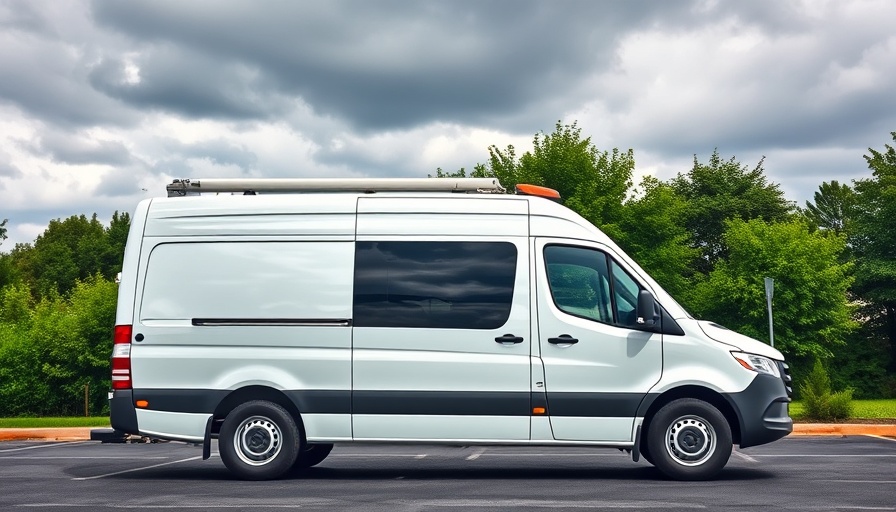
(709, 236)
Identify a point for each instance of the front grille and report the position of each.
(785, 376)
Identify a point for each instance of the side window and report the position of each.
(625, 295)
(579, 282)
(443, 285)
(586, 283)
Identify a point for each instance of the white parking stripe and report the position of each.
(880, 437)
(744, 456)
(476, 454)
(66, 443)
(25, 457)
(164, 507)
(827, 456)
(138, 469)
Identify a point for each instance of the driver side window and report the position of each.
(586, 283)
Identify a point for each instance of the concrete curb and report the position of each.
(844, 429)
(46, 434)
(799, 429)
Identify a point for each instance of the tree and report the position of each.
(645, 222)
(651, 232)
(3, 229)
(811, 311)
(722, 190)
(71, 250)
(591, 182)
(833, 207)
(874, 243)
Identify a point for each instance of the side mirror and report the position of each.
(648, 312)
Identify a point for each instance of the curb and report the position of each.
(843, 429)
(799, 429)
(46, 434)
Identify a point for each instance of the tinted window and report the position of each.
(626, 297)
(581, 285)
(446, 285)
(578, 280)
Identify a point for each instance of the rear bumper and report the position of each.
(762, 411)
(122, 413)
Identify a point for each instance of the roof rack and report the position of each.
(250, 186)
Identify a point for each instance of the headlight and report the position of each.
(757, 363)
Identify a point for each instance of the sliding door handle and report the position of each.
(563, 339)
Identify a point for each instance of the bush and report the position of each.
(820, 402)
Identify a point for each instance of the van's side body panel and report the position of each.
(442, 382)
(233, 295)
(594, 386)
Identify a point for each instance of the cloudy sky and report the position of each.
(102, 103)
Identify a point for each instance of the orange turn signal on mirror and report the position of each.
(539, 410)
(142, 403)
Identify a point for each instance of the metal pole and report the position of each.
(86, 400)
(769, 293)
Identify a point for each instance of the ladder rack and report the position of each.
(251, 186)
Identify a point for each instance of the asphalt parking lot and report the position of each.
(797, 473)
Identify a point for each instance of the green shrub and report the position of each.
(820, 402)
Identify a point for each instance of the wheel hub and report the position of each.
(691, 440)
(257, 440)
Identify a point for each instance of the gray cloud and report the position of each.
(389, 64)
(79, 149)
(7, 168)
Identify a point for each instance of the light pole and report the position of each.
(769, 292)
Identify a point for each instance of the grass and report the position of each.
(78, 421)
(861, 409)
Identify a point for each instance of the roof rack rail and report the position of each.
(251, 186)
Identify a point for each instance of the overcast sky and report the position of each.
(103, 103)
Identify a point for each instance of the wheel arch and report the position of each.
(255, 392)
(707, 395)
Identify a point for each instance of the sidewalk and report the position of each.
(799, 429)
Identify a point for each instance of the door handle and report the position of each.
(509, 338)
(563, 339)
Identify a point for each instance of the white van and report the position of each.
(283, 316)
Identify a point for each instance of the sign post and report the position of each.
(769, 292)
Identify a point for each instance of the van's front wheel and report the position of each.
(259, 440)
(689, 439)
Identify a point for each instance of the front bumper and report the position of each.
(762, 411)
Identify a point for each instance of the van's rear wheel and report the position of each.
(259, 440)
(312, 455)
(689, 439)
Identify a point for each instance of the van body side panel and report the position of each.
(595, 384)
(434, 369)
(222, 313)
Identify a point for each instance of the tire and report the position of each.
(689, 439)
(645, 452)
(259, 440)
(313, 455)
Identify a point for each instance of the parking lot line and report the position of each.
(66, 443)
(476, 454)
(37, 457)
(138, 469)
(744, 456)
(881, 437)
(826, 455)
